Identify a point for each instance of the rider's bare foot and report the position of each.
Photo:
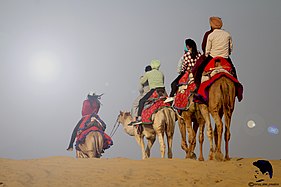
(69, 149)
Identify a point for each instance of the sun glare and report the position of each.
(44, 67)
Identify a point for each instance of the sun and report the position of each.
(44, 67)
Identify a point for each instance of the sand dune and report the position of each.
(68, 171)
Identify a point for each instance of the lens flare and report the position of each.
(251, 124)
(273, 130)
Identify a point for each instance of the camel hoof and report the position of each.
(211, 156)
(219, 156)
(191, 156)
(227, 158)
(147, 155)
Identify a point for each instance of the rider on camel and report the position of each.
(90, 106)
(219, 43)
(143, 89)
(155, 80)
(186, 63)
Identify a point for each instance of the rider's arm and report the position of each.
(230, 45)
(144, 78)
(208, 48)
(179, 67)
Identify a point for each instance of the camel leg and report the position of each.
(201, 138)
(81, 154)
(159, 129)
(170, 143)
(205, 113)
(216, 137)
(227, 137)
(191, 137)
(91, 154)
(93, 145)
(139, 139)
(164, 122)
(86, 148)
(227, 121)
(162, 143)
(182, 128)
(170, 119)
(215, 130)
(228, 115)
(150, 142)
(215, 108)
(219, 127)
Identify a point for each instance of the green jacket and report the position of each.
(154, 77)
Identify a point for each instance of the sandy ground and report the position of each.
(68, 171)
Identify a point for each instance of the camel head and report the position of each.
(124, 117)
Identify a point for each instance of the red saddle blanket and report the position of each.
(186, 87)
(203, 92)
(218, 61)
(87, 125)
(184, 79)
(155, 103)
(181, 101)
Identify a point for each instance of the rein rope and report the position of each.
(114, 129)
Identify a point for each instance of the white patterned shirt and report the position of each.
(187, 62)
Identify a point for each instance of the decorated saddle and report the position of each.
(215, 69)
(185, 91)
(92, 123)
(154, 103)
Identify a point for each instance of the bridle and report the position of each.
(114, 129)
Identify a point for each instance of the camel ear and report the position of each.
(121, 113)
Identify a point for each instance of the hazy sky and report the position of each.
(103, 46)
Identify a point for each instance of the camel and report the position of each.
(93, 146)
(163, 122)
(221, 103)
(192, 115)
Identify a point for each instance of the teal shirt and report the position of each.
(154, 77)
